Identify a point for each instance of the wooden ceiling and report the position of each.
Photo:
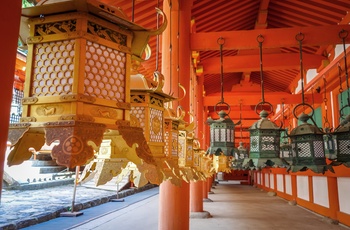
(239, 23)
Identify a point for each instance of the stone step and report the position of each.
(36, 163)
(51, 169)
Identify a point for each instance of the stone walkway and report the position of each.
(22, 208)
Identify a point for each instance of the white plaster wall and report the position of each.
(272, 181)
(267, 184)
(258, 178)
(288, 180)
(280, 182)
(303, 187)
(343, 193)
(320, 190)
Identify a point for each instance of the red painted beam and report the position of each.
(255, 98)
(274, 38)
(243, 63)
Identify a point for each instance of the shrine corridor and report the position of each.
(233, 206)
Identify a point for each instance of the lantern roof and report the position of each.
(224, 118)
(344, 125)
(99, 9)
(305, 128)
(139, 82)
(264, 122)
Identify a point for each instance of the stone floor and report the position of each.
(21, 208)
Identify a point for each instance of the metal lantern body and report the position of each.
(307, 147)
(343, 141)
(330, 145)
(264, 143)
(242, 151)
(221, 135)
(286, 152)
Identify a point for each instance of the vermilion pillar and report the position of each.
(173, 206)
(174, 210)
(9, 24)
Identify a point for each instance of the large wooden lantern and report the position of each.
(148, 112)
(77, 79)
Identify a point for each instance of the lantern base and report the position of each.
(264, 162)
(315, 168)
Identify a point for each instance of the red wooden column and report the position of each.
(174, 208)
(333, 197)
(9, 24)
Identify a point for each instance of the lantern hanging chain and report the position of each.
(343, 34)
(300, 37)
(132, 10)
(325, 100)
(240, 118)
(340, 88)
(284, 137)
(170, 50)
(221, 42)
(157, 40)
(260, 40)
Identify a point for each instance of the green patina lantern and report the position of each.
(264, 143)
(286, 152)
(342, 134)
(222, 137)
(330, 144)
(307, 147)
(286, 148)
(264, 134)
(307, 139)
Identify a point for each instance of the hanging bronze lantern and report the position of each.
(222, 130)
(306, 139)
(286, 152)
(264, 143)
(264, 134)
(342, 133)
(343, 141)
(221, 135)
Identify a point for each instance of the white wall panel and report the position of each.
(320, 190)
(343, 193)
(303, 187)
(288, 179)
(267, 184)
(272, 181)
(280, 182)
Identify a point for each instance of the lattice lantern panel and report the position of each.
(77, 70)
(171, 137)
(147, 112)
